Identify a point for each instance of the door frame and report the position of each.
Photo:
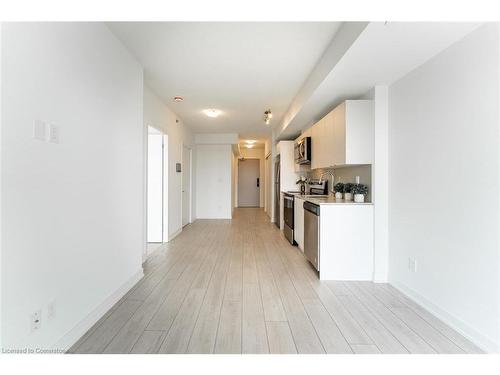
(165, 200)
(190, 200)
(237, 203)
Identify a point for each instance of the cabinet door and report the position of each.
(338, 135)
(323, 144)
(315, 145)
(328, 141)
(359, 135)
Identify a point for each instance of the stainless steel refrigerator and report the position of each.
(277, 191)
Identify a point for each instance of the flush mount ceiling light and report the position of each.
(250, 141)
(212, 112)
(178, 98)
(268, 115)
(249, 146)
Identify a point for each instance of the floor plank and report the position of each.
(254, 336)
(332, 339)
(202, 339)
(228, 339)
(280, 338)
(148, 343)
(380, 335)
(178, 336)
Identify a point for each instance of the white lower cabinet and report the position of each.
(298, 222)
(346, 242)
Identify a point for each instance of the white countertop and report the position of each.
(329, 201)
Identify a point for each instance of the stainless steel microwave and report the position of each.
(303, 151)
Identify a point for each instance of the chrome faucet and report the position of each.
(330, 174)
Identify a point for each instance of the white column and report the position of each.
(381, 184)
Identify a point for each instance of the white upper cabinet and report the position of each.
(288, 177)
(344, 136)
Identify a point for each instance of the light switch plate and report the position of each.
(53, 133)
(39, 130)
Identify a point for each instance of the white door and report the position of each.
(248, 183)
(155, 186)
(186, 185)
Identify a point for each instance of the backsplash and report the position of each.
(347, 174)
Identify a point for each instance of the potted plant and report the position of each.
(338, 189)
(348, 191)
(359, 191)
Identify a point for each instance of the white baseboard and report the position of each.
(457, 324)
(175, 234)
(70, 338)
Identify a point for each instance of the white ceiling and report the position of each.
(382, 54)
(240, 68)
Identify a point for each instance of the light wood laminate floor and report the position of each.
(237, 286)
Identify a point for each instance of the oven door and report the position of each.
(288, 210)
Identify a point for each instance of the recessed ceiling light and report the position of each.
(212, 112)
(178, 98)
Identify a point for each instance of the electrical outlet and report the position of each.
(36, 320)
(51, 310)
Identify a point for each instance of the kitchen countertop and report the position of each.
(329, 201)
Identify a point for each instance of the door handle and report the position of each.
(258, 182)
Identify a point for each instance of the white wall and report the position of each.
(155, 182)
(234, 176)
(380, 179)
(72, 214)
(257, 153)
(213, 176)
(444, 184)
(269, 171)
(159, 116)
(216, 138)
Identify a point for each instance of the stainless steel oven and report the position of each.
(288, 213)
(302, 151)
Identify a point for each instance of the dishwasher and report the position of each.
(311, 233)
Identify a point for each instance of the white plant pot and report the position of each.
(338, 195)
(348, 197)
(359, 198)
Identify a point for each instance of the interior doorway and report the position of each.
(157, 175)
(249, 183)
(186, 185)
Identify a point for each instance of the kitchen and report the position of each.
(333, 227)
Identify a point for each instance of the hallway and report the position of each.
(238, 287)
